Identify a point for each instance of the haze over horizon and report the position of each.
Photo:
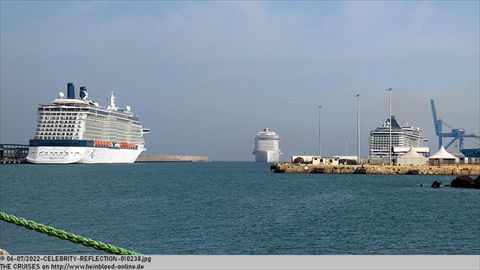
(206, 76)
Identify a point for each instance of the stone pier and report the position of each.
(460, 169)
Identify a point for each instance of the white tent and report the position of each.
(412, 158)
(442, 157)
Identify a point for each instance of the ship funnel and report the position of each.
(83, 92)
(70, 91)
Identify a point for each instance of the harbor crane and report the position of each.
(455, 133)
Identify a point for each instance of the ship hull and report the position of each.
(267, 156)
(89, 155)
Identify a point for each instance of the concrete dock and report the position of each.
(460, 169)
(171, 158)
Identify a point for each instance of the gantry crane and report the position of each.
(455, 133)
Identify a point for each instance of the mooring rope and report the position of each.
(32, 225)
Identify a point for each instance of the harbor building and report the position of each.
(411, 157)
(13, 152)
(403, 137)
(401, 150)
(442, 157)
(318, 160)
(267, 146)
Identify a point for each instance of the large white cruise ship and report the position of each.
(404, 137)
(267, 146)
(74, 130)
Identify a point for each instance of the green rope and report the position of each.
(32, 225)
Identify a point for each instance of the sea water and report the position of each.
(235, 208)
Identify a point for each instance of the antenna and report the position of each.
(112, 102)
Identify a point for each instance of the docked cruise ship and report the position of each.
(71, 130)
(404, 136)
(267, 146)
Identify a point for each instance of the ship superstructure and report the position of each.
(402, 136)
(71, 130)
(267, 146)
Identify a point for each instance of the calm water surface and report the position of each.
(235, 208)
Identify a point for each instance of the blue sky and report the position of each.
(206, 76)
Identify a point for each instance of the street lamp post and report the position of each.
(358, 128)
(319, 131)
(389, 90)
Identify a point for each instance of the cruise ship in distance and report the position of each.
(267, 146)
(71, 130)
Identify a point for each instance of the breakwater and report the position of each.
(460, 169)
(171, 158)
